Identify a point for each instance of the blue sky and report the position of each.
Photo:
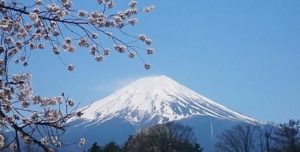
(242, 54)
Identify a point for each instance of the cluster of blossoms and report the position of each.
(27, 139)
(47, 101)
(1, 141)
(13, 147)
(145, 39)
(26, 28)
(51, 140)
(44, 141)
(18, 87)
(52, 116)
(120, 48)
(149, 9)
(45, 24)
(81, 141)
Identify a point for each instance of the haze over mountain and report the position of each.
(149, 101)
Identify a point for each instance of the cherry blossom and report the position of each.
(56, 26)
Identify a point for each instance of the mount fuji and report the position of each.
(149, 101)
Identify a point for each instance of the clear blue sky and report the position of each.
(242, 54)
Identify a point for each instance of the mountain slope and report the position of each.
(157, 99)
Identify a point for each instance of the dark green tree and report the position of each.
(112, 147)
(168, 137)
(126, 144)
(95, 148)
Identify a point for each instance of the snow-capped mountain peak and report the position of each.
(157, 99)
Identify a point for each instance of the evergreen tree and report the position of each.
(112, 147)
(126, 144)
(95, 148)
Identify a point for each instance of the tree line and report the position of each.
(169, 137)
(175, 137)
(265, 138)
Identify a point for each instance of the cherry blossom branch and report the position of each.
(28, 26)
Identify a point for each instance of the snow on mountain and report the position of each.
(157, 99)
